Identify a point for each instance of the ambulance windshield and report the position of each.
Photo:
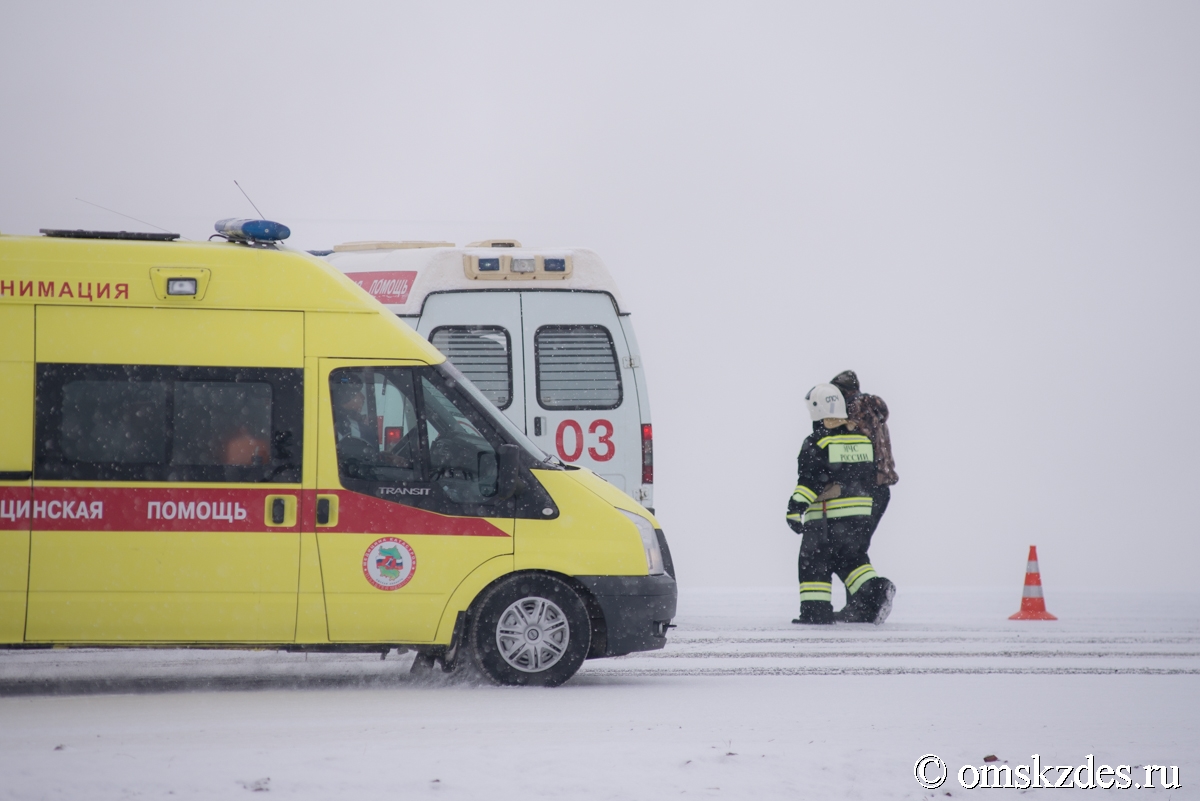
(496, 417)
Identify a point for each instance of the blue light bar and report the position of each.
(253, 230)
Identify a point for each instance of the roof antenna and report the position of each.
(243, 191)
(127, 216)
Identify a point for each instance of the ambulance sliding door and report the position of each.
(166, 492)
(582, 404)
(479, 332)
(407, 474)
(16, 465)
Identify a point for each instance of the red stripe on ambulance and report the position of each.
(15, 507)
(166, 509)
(151, 509)
(362, 514)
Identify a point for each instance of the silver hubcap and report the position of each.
(533, 634)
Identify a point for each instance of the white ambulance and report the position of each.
(542, 332)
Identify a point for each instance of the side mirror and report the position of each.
(489, 474)
(509, 471)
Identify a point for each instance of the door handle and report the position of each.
(279, 511)
(327, 511)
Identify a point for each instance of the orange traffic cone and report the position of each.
(1033, 605)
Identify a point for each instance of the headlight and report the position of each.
(654, 560)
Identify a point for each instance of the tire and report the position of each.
(530, 630)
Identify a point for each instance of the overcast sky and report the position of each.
(989, 210)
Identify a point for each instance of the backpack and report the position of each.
(869, 414)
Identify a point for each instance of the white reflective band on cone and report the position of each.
(1032, 591)
(1031, 567)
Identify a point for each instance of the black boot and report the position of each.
(871, 604)
(877, 595)
(852, 612)
(817, 613)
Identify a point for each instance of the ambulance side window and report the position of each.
(576, 367)
(481, 353)
(222, 423)
(408, 435)
(115, 422)
(165, 423)
(463, 462)
(375, 423)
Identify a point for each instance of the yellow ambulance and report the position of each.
(232, 444)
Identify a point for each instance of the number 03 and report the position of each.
(602, 428)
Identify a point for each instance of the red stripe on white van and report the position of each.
(386, 287)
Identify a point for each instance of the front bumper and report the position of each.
(637, 611)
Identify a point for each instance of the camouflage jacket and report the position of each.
(869, 414)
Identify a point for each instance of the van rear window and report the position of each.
(151, 423)
(481, 353)
(576, 367)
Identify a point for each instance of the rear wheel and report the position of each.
(532, 630)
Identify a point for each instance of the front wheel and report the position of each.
(530, 630)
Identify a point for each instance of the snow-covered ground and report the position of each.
(741, 704)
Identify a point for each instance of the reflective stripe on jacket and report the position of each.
(838, 507)
(835, 473)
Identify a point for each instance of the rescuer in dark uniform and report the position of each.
(831, 508)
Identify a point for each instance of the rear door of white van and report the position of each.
(581, 403)
(479, 332)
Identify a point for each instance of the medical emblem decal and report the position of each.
(389, 563)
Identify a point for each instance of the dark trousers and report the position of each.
(840, 546)
(835, 546)
(880, 499)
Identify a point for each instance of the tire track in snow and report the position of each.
(888, 671)
(871, 651)
(915, 654)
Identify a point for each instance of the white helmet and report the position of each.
(825, 400)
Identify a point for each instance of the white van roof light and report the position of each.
(496, 243)
(346, 247)
(402, 279)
